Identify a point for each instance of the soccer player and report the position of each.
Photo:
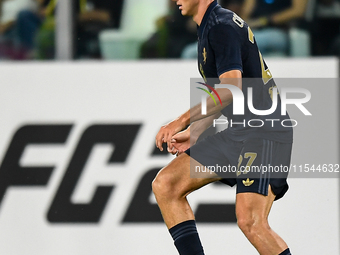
(227, 50)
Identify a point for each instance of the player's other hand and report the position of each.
(166, 133)
(180, 142)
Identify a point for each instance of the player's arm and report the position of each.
(182, 141)
(187, 138)
(198, 127)
(167, 131)
(226, 45)
(233, 77)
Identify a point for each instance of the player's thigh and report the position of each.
(253, 208)
(263, 163)
(219, 154)
(178, 176)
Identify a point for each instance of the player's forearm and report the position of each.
(195, 113)
(233, 77)
(198, 127)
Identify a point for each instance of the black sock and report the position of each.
(285, 252)
(186, 238)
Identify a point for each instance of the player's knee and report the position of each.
(245, 224)
(251, 226)
(163, 184)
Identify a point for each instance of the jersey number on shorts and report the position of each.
(251, 156)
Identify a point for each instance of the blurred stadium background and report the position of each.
(86, 84)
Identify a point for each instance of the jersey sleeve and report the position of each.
(226, 45)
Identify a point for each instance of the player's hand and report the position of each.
(166, 133)
(180, 142)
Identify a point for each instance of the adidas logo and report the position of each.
(247, 182)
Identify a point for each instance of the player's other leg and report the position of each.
(171, 187)
(252, 212)
(254, 198)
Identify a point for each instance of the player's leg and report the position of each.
(256, 191)
(171, 186)
(183, 176)
(252, 212)
(174, 182)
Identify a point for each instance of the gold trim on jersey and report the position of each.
(271, 91)
(204, 55)
(202, 73)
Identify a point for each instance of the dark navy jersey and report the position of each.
(225, 43)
